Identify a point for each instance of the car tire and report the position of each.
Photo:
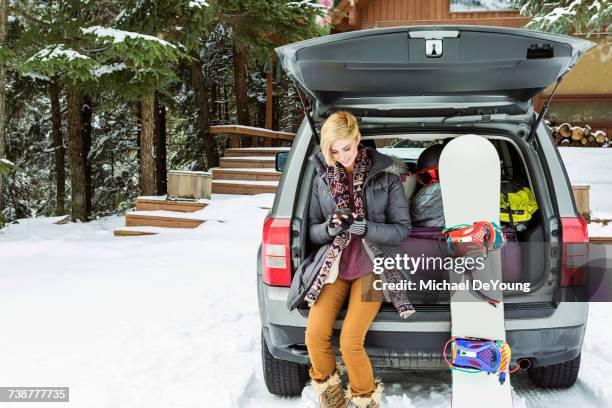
(562, 375)
(282, 377)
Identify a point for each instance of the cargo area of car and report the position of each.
(523, 257)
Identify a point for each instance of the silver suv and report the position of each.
(410, 87)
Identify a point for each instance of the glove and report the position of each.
(358, 227)
(334, 229)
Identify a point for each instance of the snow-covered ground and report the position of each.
(592, 166)
(171, 320)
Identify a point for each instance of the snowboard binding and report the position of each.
(474, 240)
(474, 355)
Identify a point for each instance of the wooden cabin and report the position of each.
(585, 94)
(353, 15)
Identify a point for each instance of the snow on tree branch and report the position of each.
(7, 166)
(565, 17)
(557, 13)
(56, 59)
(56, 51)
(306, 4)
(35, 75)
(119, 36)
(108, 69)
(197, 4)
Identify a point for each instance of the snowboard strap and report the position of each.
(488, 299)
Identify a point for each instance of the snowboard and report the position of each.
(469, 171)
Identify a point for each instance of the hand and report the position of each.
(359, 226)
(343, 218)
(338, 222)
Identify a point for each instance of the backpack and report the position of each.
(517, 204)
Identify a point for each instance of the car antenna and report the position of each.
(308, 113)
(543, 111)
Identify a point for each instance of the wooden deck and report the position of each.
(254, 151)
(235, 131)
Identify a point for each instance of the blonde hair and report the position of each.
(340, 125)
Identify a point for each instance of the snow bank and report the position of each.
(592, 166)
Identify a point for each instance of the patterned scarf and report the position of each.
(338, 186)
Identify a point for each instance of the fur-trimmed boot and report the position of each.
(373, 401)
(330, 391)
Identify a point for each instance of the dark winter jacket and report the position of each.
(387, 216)
(426, 207)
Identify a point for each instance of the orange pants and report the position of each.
(358, 318)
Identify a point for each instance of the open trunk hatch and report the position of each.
(497, 67)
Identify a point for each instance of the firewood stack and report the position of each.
(568, 135)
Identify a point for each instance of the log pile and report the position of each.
(568, 135)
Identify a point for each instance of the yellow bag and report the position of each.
(517, 206)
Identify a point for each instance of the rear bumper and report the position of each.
(545, 334)
(423, 350)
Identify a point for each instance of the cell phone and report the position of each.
(344, 211)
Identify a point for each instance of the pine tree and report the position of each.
(188, 23)
(64, 79)
(567, 16)
(257, 26)
(138, 65)
(56, 49)
(4, 167)
(76, 70)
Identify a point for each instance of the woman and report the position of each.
(358, 211)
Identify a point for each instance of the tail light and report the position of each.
(276, 252)
(575, 254)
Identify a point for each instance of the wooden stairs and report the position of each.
(247, 171)
(241, 171)
(154, 214)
